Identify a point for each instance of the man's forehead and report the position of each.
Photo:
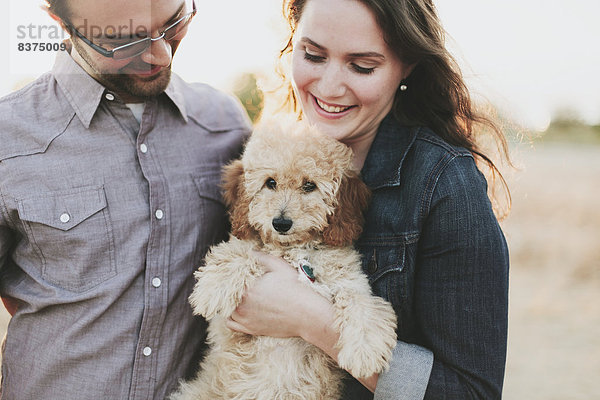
(147, 13)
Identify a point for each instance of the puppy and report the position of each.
(294, 195)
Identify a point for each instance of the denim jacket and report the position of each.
(432, 247)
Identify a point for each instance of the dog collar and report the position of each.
(305, 267)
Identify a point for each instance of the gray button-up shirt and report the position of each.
(102, 222)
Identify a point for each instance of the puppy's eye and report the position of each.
(308, 187)
(270, 183)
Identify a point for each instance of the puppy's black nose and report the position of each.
(282, 225)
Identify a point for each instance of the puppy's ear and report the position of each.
(235, 200)
(231, 182)
(345, 225)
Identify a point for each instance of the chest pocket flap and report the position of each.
(65, 210)
(71, 233)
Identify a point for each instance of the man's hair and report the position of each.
(58, 8)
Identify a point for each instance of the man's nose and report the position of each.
(159, 53)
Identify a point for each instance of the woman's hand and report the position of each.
(278, 304)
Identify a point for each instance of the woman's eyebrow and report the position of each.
(312, 43)
(367, 54)
(362, 54)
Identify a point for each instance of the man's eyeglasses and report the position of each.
(138, 47)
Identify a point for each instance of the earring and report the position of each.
(403, 87)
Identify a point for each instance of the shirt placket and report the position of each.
(157, 261)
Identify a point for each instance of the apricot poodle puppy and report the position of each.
(294, 195)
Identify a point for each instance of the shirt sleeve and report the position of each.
(5, 234)
(408, 374)
(461, 287)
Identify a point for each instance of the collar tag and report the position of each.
(306, 269)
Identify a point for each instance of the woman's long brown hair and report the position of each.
(437, 96)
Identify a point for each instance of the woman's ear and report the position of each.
(345, 224)
(235, 200)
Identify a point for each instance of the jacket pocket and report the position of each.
(72, 234)
(387, 263)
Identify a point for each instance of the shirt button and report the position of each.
(147, 351)
(156, 282)
(159, 214)
(143, 148)
(64, 218)
(109, 96)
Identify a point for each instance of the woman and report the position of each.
(375, 75)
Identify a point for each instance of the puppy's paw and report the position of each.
(221, 283)
(367, 326)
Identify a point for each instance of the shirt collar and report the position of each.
(84, 93)
(387, 153)
(175, 92)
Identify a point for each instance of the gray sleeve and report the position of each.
(408, 374)
(5, 233)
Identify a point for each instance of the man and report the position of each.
(109, 199)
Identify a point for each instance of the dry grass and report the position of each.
(553, 234)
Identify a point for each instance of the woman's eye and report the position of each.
(308, 187)
(313, 57)
(270, 183)
(363, 70)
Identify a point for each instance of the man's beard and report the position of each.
(138, 87)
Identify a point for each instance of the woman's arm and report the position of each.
(461, 287)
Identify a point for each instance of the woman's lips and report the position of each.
(330, 110)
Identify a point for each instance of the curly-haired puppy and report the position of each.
(294, 195)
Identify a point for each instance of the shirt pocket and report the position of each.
(385, 263)
(72, 234)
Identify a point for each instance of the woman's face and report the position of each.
(343, 72)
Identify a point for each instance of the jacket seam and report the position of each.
(408, 238)
(433, 180)
(444, 145)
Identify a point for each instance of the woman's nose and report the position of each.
(331, 83)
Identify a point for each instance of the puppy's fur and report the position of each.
(293, 174)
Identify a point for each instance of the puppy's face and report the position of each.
(290, 204)
(294, 185)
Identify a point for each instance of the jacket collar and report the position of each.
(387, 153)
(84, 93)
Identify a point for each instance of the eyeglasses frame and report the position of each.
(110, 53)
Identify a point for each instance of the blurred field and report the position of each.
(554, 238)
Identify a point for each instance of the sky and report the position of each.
(530, 58)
